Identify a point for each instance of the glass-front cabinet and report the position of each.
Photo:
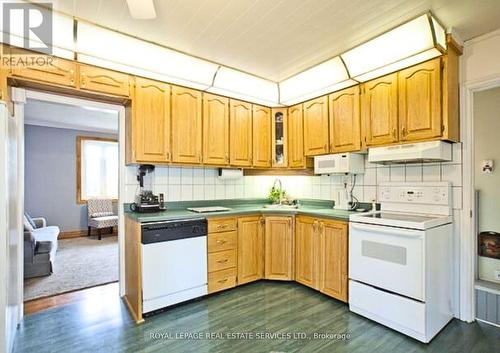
(280, 138)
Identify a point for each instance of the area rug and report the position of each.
(80, 263)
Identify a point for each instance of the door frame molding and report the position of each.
(468, 243)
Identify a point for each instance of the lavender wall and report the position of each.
(50, 176)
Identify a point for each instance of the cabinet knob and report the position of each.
(83, 79)
(72, 76)
(222, 261)
(403, 132)
(221, 242)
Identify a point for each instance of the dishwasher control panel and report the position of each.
(162, 231)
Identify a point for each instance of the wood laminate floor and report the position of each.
(102, 324)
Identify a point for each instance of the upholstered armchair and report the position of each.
(101, 215)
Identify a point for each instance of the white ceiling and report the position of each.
(279, 38)
(67, 116)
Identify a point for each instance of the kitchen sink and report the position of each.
(281, 207)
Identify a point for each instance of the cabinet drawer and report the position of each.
(221, 225)
(221, 280)
(105, 81)
(221, 260)
(222, 241)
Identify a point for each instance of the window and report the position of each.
(97, 168)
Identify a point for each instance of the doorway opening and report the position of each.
(73, 169)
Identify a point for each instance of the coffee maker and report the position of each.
(145, 200)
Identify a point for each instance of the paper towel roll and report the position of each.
(230, 173)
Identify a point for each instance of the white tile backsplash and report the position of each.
(186, 183)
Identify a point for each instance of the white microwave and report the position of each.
(340, 163)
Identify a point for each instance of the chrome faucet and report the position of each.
(277, 180)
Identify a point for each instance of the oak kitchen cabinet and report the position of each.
(279, 248)
(296, 158)
(333, 255)
(345, 120)
(261, 117)
(150, 125)
(186, 125)
(306, 251)
(250, 249)
(222, 250)
(60, 71)
(215, 129)
(240, 133)
(419, 90)
(316, 126)
(380, 110)
(279, 137)
(321, 255)
(97, 79)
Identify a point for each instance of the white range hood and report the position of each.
(433, 151)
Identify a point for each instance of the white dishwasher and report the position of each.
(174, 262)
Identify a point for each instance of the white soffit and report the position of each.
(237, 84)
(316, 81)
(103, 47)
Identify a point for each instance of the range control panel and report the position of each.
(421, 193)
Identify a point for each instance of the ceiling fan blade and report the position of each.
(142, 9)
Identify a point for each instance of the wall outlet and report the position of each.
(497, 275)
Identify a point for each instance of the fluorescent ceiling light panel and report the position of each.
(237, 84)
(103, 47)
(314, 82)
(412, 39)
(142, 9)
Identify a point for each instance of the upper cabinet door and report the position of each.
(261, 136)
(151, 121)
(186, 125)
(296, 158)
(420, 101)
(215, 129)
(60, 72)
(345, 120)
(101, 80)
(279, 137)
(316, 126)
(240, 133)
(380, 110)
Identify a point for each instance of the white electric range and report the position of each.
(400, 259)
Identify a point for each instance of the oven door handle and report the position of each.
(412, 233)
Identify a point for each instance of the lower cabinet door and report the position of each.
(307, 251)
(250, 249)
(279, 248)
(333, 258)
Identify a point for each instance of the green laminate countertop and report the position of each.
(240, 207)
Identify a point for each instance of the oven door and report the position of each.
(388, 258)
